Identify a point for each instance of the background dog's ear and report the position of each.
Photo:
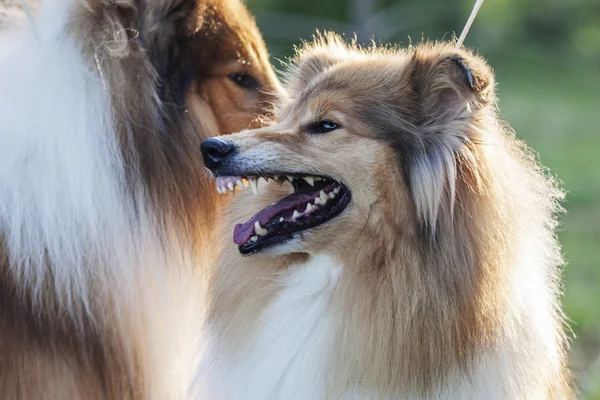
(314, 58)
(447, 82)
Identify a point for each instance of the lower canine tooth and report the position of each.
(260, 231)
(254, 186)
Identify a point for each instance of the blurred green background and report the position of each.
(546, 55)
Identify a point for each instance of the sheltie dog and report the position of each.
(105, 210)
(410, 251)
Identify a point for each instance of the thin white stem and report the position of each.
(463, 35)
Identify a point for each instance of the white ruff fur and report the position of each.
(63, 202)
(284, 359)
(287, 356)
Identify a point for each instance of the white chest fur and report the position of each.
(287, 355)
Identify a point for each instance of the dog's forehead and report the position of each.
(351, 90)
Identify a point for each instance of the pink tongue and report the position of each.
(295, 201)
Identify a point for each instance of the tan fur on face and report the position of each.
(447, 246)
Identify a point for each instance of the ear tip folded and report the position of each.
(468, 74)
(474, 71)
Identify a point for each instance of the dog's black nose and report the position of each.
(215, 151)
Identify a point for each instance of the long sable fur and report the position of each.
(105, 212)
(450, 264)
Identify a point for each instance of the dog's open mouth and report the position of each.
(316, 200)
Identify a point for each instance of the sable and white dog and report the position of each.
(410, 252)
(104, 205)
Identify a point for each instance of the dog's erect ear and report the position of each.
(315, 58)
(446, 82)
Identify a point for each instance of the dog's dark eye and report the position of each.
(322, 127)
(244, 80)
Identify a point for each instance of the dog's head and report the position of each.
(203, 56)
(362, 128)
(177, 72)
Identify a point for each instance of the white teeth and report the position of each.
(265, 179)
(296, 214)
(276, 177)
(317, 178)
(323, 197)
(260, 231)
(310, 180)
(331, 195)
(240, 183)
(253, 238)
(308, 207)
(230, 186)
(290, 178)
(223, 190)
(253, 186)
(336, 190)
(281, 219)
(218, 189)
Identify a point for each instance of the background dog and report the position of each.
(104, 208)
(413, 255)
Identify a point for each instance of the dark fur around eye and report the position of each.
(244, 80)
(324, 126)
